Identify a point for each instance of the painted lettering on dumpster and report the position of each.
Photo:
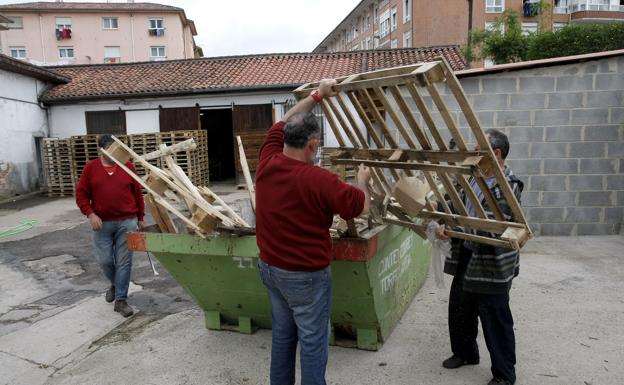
(245, 262)
(394, 265)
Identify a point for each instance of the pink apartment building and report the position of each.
(53, 33)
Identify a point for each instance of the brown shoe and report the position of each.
(123, 308)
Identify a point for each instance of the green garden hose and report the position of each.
(24, 225)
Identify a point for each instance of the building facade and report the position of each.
(375, 24)
(58, 33)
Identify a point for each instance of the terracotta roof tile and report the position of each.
(221, 74)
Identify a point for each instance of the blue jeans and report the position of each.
(111, 250)
(300, 310)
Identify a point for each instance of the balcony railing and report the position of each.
(587, 5)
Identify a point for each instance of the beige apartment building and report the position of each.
(383, 24)
(58, 33)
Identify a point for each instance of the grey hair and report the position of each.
(300, 128)
(105, 140)
(498, 140)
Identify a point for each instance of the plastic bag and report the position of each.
(440, 250)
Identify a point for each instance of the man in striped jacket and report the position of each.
(481, 283)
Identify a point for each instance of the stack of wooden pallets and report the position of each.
(80, 149)
(171, 191)
(57, 162)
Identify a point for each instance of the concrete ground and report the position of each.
(56, 328)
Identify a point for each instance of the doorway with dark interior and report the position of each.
(218, 123)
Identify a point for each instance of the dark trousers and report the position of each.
(465, 308)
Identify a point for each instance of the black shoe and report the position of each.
(123, 308)
(454, 362)
(110, 294)
(499, 381)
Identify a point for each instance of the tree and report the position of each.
(502, 43)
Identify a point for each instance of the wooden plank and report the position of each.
(341, 122)
(160, 215)
(446, 116)
(367, 123)
(379, 118)
(439, 168)
(394, 116)
(422, 230)
(249, 182)
(409, 116)
(332, 123)
(226, 207)
(187, 145)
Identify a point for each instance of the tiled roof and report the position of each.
(227, 74)
(87, 6)
(7, 63)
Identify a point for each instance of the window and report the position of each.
(375, 42)
(494, 6)
(157, 53)
(407, 10)
(18, 52)
(110, 23)
(384, 24)
(407, 39)
(106, 122)
(394, 43)
(393, 18)
(367, 22)
(489, 26)
(66, 52)
(17, 22)
(561, 6)
(156, 26)
(558, 26)
(375, 14)
(112, 54)
(529, 27)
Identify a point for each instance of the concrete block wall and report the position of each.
(566, 128)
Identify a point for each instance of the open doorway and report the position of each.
(218, 123)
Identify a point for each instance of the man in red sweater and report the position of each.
(113, 202)
(296, 203)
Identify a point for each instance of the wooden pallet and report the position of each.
(57, 164)
(389, 107)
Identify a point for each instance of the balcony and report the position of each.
(156, 31)
(592, 5)
(596, 10)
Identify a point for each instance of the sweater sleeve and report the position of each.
(274, 142)
(342, 198)
(83, 191)
(138, 194)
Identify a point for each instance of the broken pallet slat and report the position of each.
(246, 173)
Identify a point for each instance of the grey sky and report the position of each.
(239, 27)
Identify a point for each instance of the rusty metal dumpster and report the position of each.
(375, 279)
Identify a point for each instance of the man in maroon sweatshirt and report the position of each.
(296, 203)
(113, 202)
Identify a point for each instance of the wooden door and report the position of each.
(179, 119)
(251, 123)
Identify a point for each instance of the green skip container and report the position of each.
(375, 278)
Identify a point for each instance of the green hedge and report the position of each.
(575, 39)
